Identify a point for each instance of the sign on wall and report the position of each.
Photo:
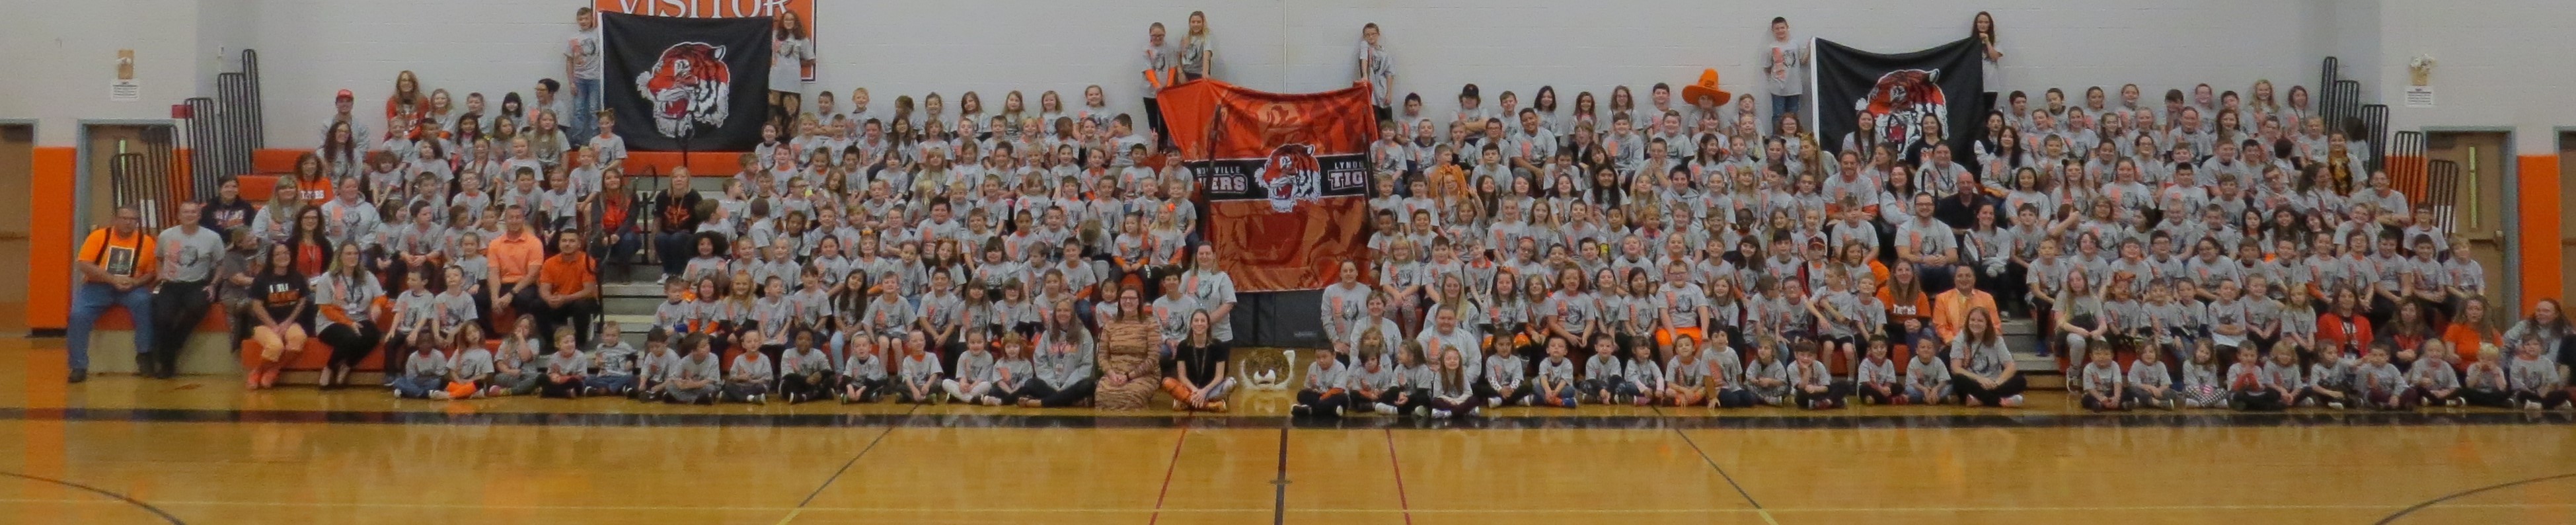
(686, 83)
(804, 10)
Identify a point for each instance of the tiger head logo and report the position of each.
(1900, 102)
(1290, 175)
(688, 87)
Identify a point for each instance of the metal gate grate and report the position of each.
(144, 177)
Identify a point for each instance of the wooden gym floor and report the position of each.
(199, 450)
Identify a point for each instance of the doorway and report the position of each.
(2481, 214)
(128, 165)
(17, 177)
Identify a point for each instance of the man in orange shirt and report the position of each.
(566, 291)
(1950, 309)
(117, 266)
(514, 258)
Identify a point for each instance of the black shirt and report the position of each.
(679, 210)
(1202, 361)
(280, 294)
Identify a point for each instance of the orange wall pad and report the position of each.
(2538, 233)
(49, 238)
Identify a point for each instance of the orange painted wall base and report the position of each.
(2538, 233)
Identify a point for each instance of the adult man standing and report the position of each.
(188, 253)
(116, 269)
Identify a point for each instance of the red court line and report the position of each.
(1400, 500)
(1167, 474)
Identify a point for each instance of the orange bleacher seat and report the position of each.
(275, 160)
(258, 188)
(701, 163)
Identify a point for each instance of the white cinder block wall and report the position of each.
(315, 47)
(2503, 62)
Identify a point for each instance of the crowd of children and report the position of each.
(1695, 252)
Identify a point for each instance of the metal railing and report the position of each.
(225, 130)
(145, 178)
(2442, 193)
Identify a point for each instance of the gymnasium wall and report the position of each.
(994, 46)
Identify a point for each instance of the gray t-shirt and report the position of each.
(190, 257)
(584, 52)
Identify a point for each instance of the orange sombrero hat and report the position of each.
(1706, 88)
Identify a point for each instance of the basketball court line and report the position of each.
(2392, 518)
(1721, 473)
(1166, 492)
(845, 468)
(119, 498)
(1279, 487)
(1403, 503)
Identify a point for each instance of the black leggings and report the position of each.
(1832, 397)
(1323, 404)
(568, 388)
(351, 343)
(2264, 399)
(1487, 390)
(814, 386)
(1967, 388)
(2546, 398)
(1052, 397)
(2486, 398)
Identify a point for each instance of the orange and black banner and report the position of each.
(803, 9)
(1284, 178)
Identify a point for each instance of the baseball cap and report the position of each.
(346, 94)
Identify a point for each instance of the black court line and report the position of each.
(1721, 471)
(854, 460)
(2392, 518)
(1279, 502)
(129, 500)
(1725, 420)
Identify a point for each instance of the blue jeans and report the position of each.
(93, 299)
(585, 111)
(1786, 105)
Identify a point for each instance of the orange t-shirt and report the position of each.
(511, 255)
(566, 274)
(1950, 311)
(2464, 342)
(124, 255)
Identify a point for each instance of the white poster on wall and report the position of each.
(2419, 96)
(124, 91)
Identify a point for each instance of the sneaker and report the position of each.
(2011, 402)
(1030, 403)
(439, 395)
(1439, 414)
(1426, 411)
(1476, 412)
(991, 401)
(2168, 404)
(1866, 400)
(664, 279)
(2307, 403)
(1301, 411)
(760, 399)
(1384, 409)
(1216, 406)
(2337, 405)
(2531, 405)
(1494, 401)
(2455, 402)
(1337, 411)
(79, 376)
(1643, 400)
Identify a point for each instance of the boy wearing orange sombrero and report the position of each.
(1705, 97)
